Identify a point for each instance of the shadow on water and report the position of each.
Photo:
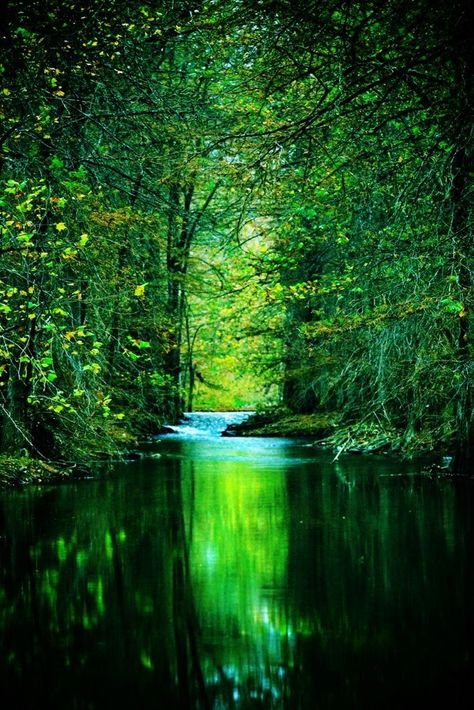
(238, 574)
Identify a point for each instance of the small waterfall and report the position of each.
(199, 425)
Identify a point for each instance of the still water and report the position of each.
(238, 573)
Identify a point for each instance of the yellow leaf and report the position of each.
(61, 226)
(140, 290)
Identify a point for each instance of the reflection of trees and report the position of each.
(100, 613)
(238, 567)
(376, 587)
(188, 585)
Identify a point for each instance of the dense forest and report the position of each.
(230, 203)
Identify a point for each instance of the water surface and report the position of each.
(238, 573)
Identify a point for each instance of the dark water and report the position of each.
(231, 573)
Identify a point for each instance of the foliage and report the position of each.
(195, 195)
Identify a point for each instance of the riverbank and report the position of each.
(329, 432)
(19, 471)
(324, 430)
(116, 444)
(23, 470)
(278, 424)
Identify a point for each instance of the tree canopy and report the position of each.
(224, 204)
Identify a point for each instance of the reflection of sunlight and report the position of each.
(240, 534)
(264, 614)
(210, 556)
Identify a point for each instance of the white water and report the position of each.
(205, 425)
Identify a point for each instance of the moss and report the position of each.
(278, 423)
(18, 471)
(112, 441)
(329, 431)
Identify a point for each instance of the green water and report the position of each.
(238, 574)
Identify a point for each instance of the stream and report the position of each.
(238, 573)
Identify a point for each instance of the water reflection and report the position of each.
(237, 574)
(239, 559)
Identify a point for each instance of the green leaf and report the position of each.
(56, 163)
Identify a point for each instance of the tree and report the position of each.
(361, 127)
(162, 159)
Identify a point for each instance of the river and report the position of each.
(238, 573)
